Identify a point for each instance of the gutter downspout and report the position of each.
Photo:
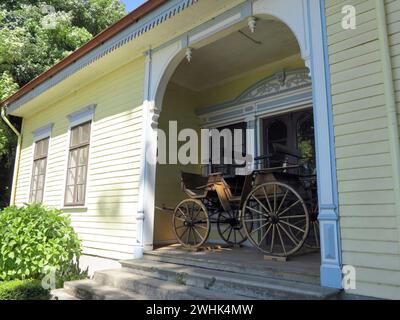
(390, 102)
(17, 155)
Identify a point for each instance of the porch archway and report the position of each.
(307, 27)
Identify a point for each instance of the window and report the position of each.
(230, 169)
(39, 170)
(294, 130)
(77, 165)
(305, 138)
(276, 133)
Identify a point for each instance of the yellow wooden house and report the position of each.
(88, 142)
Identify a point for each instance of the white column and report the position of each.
(145, 208)
(331, 273)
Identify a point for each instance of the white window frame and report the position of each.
(40, 134)
(77, 118)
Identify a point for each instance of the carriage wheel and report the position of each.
(271, 216)
(313, 239)
(230, 228)
(191, 223)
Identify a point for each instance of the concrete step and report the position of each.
(146, 284)
(230, 283)
(91, 290)
(61, 294)
(277, 271)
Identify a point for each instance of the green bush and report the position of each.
(72, 275)
(34, 238)
(23, 290)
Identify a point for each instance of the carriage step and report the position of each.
(277, 272)
(246, 286)
(91, 290)
(128, 280)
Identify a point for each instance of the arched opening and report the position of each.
(257, 83)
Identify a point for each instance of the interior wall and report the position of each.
(179, 105)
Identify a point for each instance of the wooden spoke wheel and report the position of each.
(271, 217)
(191, 223)
(230, 228)
(313, 239)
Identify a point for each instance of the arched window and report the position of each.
(305, 138)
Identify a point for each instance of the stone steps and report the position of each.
(92, 290)
(173, 275)
(128, 279)
(283, 271)
(124, 284)
(246, 286)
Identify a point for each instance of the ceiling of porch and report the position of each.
(235, 54)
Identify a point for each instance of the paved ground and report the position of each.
(97, 264)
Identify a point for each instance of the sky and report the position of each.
(132, 4)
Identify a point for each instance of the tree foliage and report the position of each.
(35, 35)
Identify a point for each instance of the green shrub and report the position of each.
(72, 275)
(34, 238)
(23, 290)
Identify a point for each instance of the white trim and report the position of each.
(42, 132)
(215, 28)
(259, 114)
(284, 90)
(294, 14)
(331, 268)
(40, 136)
(81, 116)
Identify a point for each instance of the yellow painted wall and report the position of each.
(369, 228)
(179, 105)
(107, 224)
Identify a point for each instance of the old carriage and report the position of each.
(274, 207)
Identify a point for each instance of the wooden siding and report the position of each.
(369, 227)
(107, 224)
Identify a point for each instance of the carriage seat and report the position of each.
(194, 185)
